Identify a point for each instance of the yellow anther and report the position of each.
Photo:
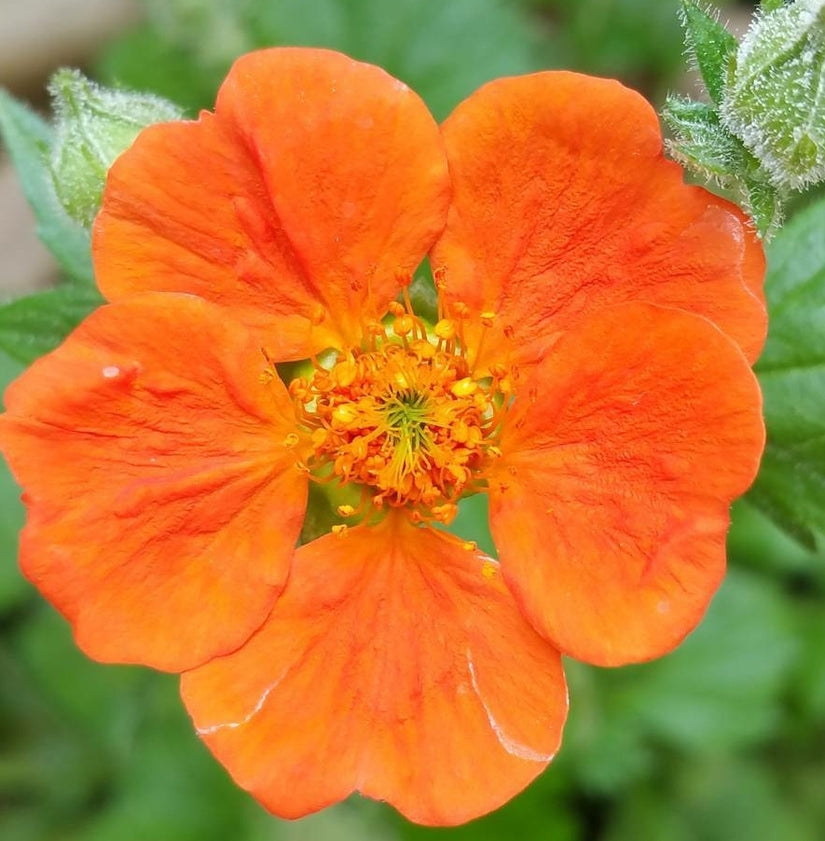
(358, 448)
(469, 546)
(505, 385)
(489, 570)
(396, 308)
(343, 465)
(401, 380)
(423, 349)
(291, 441)
(340, 530)
(345, 510)
(459, 473)
(299, 388)
(319, 437)
(345, 372)
(494, 451)
(344, 415)
(474, 436)
(445, 329)
(445, 513)
(460, 432)
(403, 325)
(464, 387)
(487, 318)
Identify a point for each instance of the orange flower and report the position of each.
(588, 369)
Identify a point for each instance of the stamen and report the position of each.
(403, 417)
(445, 329)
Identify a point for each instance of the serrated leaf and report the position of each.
(28, 139)
(710, 45)
(791, 483)
(36, 324)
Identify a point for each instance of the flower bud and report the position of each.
(93, 126)
(773, 99)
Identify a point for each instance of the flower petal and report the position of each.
(622, 456)
(315, 185)
(163, 505)
(395, 663)
(564, 204)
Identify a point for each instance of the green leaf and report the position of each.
(13, 588)
(473, 523)
(722, 689)
(710, 45)
(36, 324)
(444, 51)
(810, 678)
(28, 139)
(723, 686)
(717, 798)
(791, 483)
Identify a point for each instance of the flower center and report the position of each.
(404, 418)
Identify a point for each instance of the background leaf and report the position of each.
(791, 483)
(36, 324)
(13, 589)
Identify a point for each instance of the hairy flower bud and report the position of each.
(94, 125)
(773, 99)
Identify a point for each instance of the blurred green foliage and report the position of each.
(724, 740)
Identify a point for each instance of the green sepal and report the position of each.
(710, 45)
(701, 142)
(771, 5)
(93, 126)
(28, 139)
(36, 324)
(764, 204)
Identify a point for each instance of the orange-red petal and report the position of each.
(163, 504)
(395, 663)
(622, 455)
(318, 182)
(564, 204)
